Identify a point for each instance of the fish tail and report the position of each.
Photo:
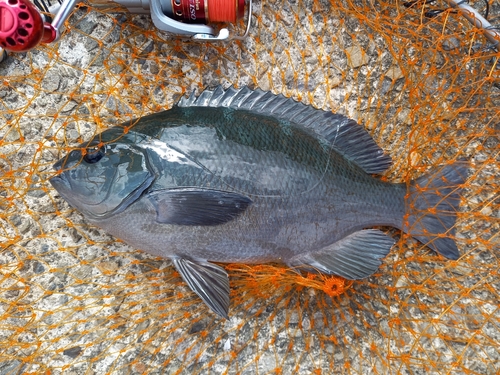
(433, 203)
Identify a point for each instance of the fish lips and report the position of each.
(63, 187)
(59, 181)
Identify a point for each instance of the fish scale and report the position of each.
(242, 175)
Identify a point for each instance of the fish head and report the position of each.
(103, 179)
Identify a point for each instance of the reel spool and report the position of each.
(197, 11)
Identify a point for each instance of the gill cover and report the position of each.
(105, 180)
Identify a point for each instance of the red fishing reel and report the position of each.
(189, 18)
(22, 26)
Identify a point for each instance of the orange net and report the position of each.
(74, 300)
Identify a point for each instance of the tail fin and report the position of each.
(433, 203)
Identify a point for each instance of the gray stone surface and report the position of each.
(74, 300)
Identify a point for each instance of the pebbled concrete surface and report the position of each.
(73, 300)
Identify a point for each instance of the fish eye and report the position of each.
(93, 155)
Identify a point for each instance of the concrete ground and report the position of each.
(74, 300)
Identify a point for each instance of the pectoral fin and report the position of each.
(207, 280)
(191, 206)
(354, 257)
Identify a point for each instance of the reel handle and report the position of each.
(23, 28)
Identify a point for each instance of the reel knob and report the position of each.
(22, 27)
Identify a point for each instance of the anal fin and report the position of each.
(208, 281)
(354, 257)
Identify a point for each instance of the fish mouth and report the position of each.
(59, 177)
(59, 181)
(58, 165)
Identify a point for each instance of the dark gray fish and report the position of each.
(246, 176)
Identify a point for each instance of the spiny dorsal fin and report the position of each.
(343, 134)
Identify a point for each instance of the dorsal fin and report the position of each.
(345, 135)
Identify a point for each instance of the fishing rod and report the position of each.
(491, 32)
(474, 17)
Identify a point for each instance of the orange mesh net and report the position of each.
(73, 300)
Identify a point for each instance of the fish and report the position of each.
(247, 176)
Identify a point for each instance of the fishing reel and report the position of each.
(191, 18)
(23, 27)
